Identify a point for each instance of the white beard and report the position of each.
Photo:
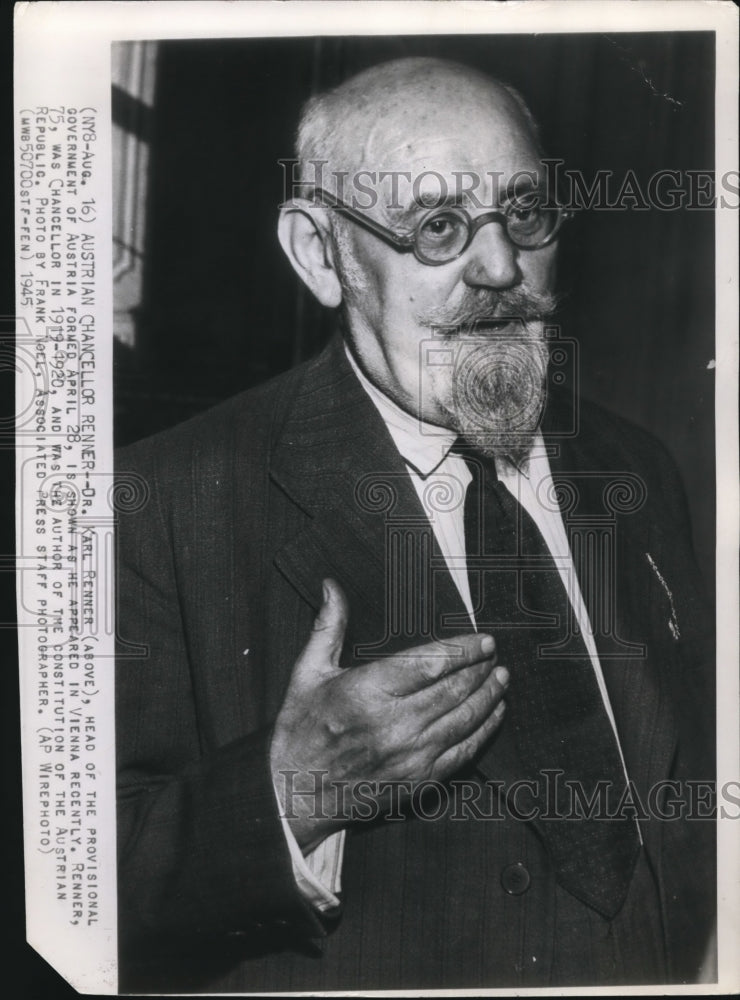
(499, 390)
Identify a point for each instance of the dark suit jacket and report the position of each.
(231, 521)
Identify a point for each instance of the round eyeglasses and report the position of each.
(444, 233)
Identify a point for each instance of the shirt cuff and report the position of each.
(318, 875)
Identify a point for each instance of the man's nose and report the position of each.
(492, 259)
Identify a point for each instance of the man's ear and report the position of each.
(304, 236)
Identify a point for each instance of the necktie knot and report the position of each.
(477, 463)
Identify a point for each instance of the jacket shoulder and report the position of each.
(242, 428)
(614, 441)
(611, 445)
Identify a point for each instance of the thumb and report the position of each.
(321, 653)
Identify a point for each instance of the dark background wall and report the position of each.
(222, 309)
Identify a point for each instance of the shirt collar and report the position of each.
(422, 445)
(425, 446)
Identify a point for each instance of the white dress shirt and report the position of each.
(437, 472)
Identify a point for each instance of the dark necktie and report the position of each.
(555, 713)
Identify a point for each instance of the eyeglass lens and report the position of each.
(443, 234)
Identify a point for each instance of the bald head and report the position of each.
(390, 116)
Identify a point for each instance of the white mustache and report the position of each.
(479, 308)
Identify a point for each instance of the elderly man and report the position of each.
(414, 673)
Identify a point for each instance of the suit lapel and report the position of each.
(365, 526)
(631, 633)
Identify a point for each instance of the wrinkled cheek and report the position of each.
(435, 380)
(541, 270)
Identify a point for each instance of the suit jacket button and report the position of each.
(515, 879)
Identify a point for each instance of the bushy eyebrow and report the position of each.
(406, 216)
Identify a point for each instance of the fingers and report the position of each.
(449, 692)
(453, 758)
(423, 666)
(458, 729)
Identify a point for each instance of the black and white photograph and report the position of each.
(331, 750)
(416, 531)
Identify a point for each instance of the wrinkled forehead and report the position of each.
(463, 126)
(427, 142)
